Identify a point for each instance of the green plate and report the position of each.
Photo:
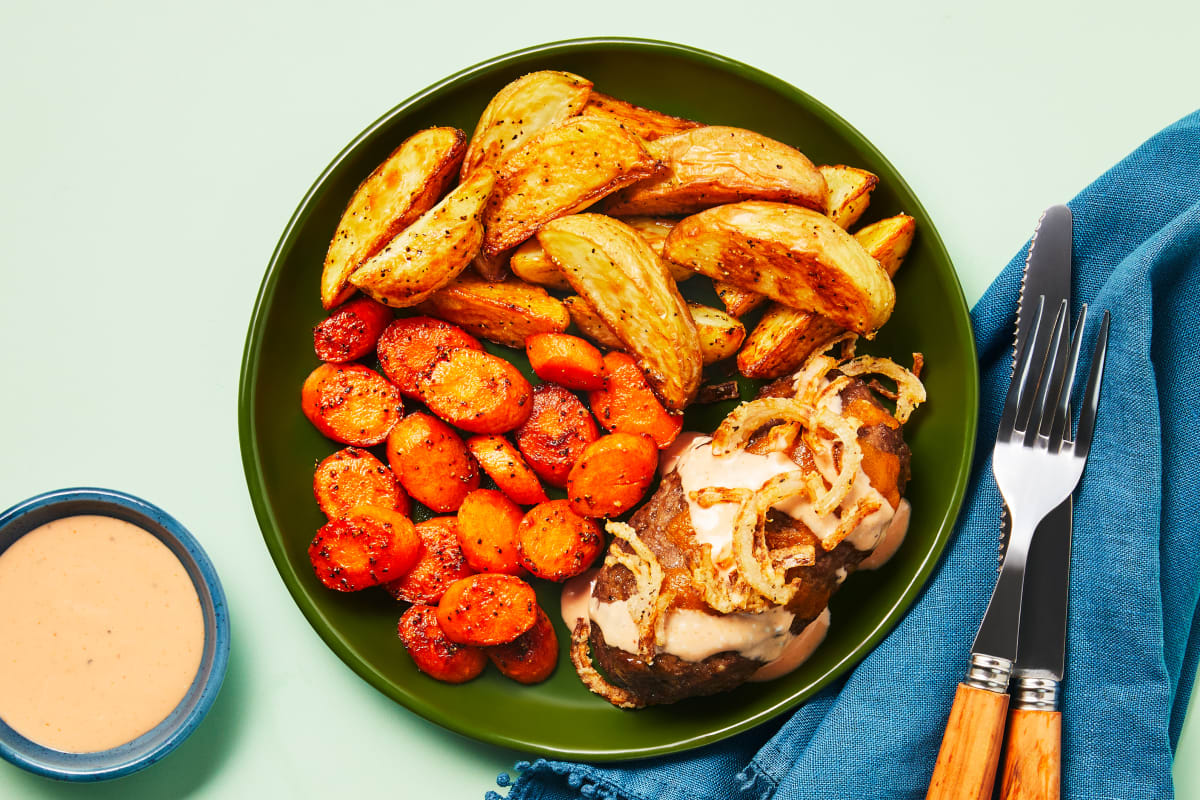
(560, 717)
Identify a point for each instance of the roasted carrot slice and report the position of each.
(353, 477)
(487, 609)
(410, 346)
(556, 543)
(351, 404)
(487, 531)
(478, 392)
(431, 462)
(440, 563)
(532, 656)
(627, 405)
(553, 437)
(433, 653)
(351, 330)
(501, 461)
(612, 475)
(365, 548)
(566, 360)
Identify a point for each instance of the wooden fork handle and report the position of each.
(966, 763)
(1032, 756)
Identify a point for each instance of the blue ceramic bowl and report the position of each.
(166, 736)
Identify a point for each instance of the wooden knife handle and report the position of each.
(1032, 756)
(966, 764)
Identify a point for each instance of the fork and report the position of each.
(1037, 464)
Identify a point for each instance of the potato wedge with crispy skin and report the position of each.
(559, 171)
(590, 323)
(432, 251)
(849, 192)
(795, 256)
(504, 312)
(784, 338)
(654, 230)
(519, 110)
(646, 123)
(612, 267)
(714, 165)
(530, 263)
(401, 189)
(737, 301)
(720, 334)
(888, 240)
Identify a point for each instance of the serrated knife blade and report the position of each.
(1041, 643)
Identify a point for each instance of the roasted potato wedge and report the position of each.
(432, 251)
(849, 192)
(784, 338)
(654, 230)
(714, 165)
(519, 110)
(531, 264)
(737, 301)
(409, 183)
(590, 323)
(795, 256)
(504, 313)
(645, 123)
(559, 171)
(888, 240)
(612, 267)
(720, 334)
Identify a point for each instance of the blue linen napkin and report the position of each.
(1133, 649)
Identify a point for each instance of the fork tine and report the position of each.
(1017, 384)
(1052, 365)
(1058, 423)
(1091, 394)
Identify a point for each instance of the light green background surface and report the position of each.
(152, 155)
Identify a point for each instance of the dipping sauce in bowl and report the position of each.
(114, 634)
(101, 633)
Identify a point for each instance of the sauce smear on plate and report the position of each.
(101, 633)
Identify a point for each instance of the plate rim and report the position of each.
(251, 462)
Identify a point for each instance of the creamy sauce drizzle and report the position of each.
(893, 537)
(101, 633)
(695, 635)
(798, 650)
(699, 468)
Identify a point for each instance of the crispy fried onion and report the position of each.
(754, 561)
(865, 507)
(746, 419)
(810, 377)
(910, 392)
(796, 555)
(581, 658)
(782, 437)
(648, 573)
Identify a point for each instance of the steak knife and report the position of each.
(979, 725)
(1032, 749)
